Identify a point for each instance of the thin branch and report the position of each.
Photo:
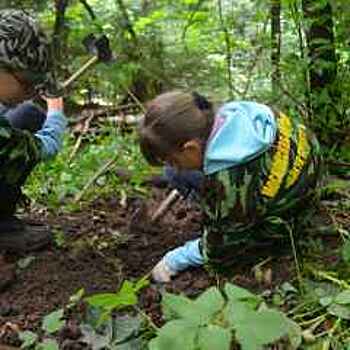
(337, 163)
(254, 62)
(228, 48)
(88, 9)
(99, 173)
(276, 38)
(190, 20)
(127, 22)
(136, 100)
(80, 138)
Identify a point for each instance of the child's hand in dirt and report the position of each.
(162, 273)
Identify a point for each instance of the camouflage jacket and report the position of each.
(20, 151)
(239, 200)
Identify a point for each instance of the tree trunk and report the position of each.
(58, 32)
(322, 68)
(144, 85)
(275, 43)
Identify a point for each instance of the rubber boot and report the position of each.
(19, 237)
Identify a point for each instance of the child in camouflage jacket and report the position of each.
(258, 164)
(25, 71)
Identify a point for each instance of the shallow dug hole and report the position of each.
(97, 252)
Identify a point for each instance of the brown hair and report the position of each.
(172, 119)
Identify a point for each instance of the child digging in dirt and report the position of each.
(257, 165)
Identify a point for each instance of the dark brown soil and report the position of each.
(98, 252)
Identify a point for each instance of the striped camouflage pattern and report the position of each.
(24, 47)
(243, 202)
(19, 153)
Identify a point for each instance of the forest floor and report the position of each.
(94, 249)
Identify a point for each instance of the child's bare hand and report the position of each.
(54, 104)
(162, 273)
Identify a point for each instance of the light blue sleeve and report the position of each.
(181, 258)
(51, 134)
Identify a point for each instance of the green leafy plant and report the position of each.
(125, 297)
(52, 323)
(56, 183)
(119, 332)
(219, 318)
(101, 330)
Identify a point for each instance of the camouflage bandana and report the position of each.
(25, 48)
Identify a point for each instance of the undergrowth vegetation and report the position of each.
(107, 164)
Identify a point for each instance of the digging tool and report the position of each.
(99, 48)
(166, 204)
(141, 219)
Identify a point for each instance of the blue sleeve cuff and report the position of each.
(181, 258)
(51, 134)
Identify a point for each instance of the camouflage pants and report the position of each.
(19, 153)
(263, 199)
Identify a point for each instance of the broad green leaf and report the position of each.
(236, 312)
(341, 311)
(199, 311)
(125, 297)
(126, 288)
(126, 328)
(317, 290)
(346, 251)
(214, 337)
(53, 322)
(343, 297)
(176, 306)
(261, 328)
(235, 293)
(288, 288)
(96, 317)
(48, 344)
(95, 340)
(208, 304)
(28, 339)
(294, 333)
(325, 301)
(175, 335)
(102, 300)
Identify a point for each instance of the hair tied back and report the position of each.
(201, 102)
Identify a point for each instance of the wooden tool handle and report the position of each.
(173, 196)
(77, 74)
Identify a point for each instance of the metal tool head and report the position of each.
(98, 47)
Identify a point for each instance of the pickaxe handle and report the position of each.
(82, 70)
(173, 196)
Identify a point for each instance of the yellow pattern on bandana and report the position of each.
(280, 159)
(303, 150)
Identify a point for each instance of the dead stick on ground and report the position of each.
(80, 138)
(100, 172)
(336, 163)
(136, 100)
